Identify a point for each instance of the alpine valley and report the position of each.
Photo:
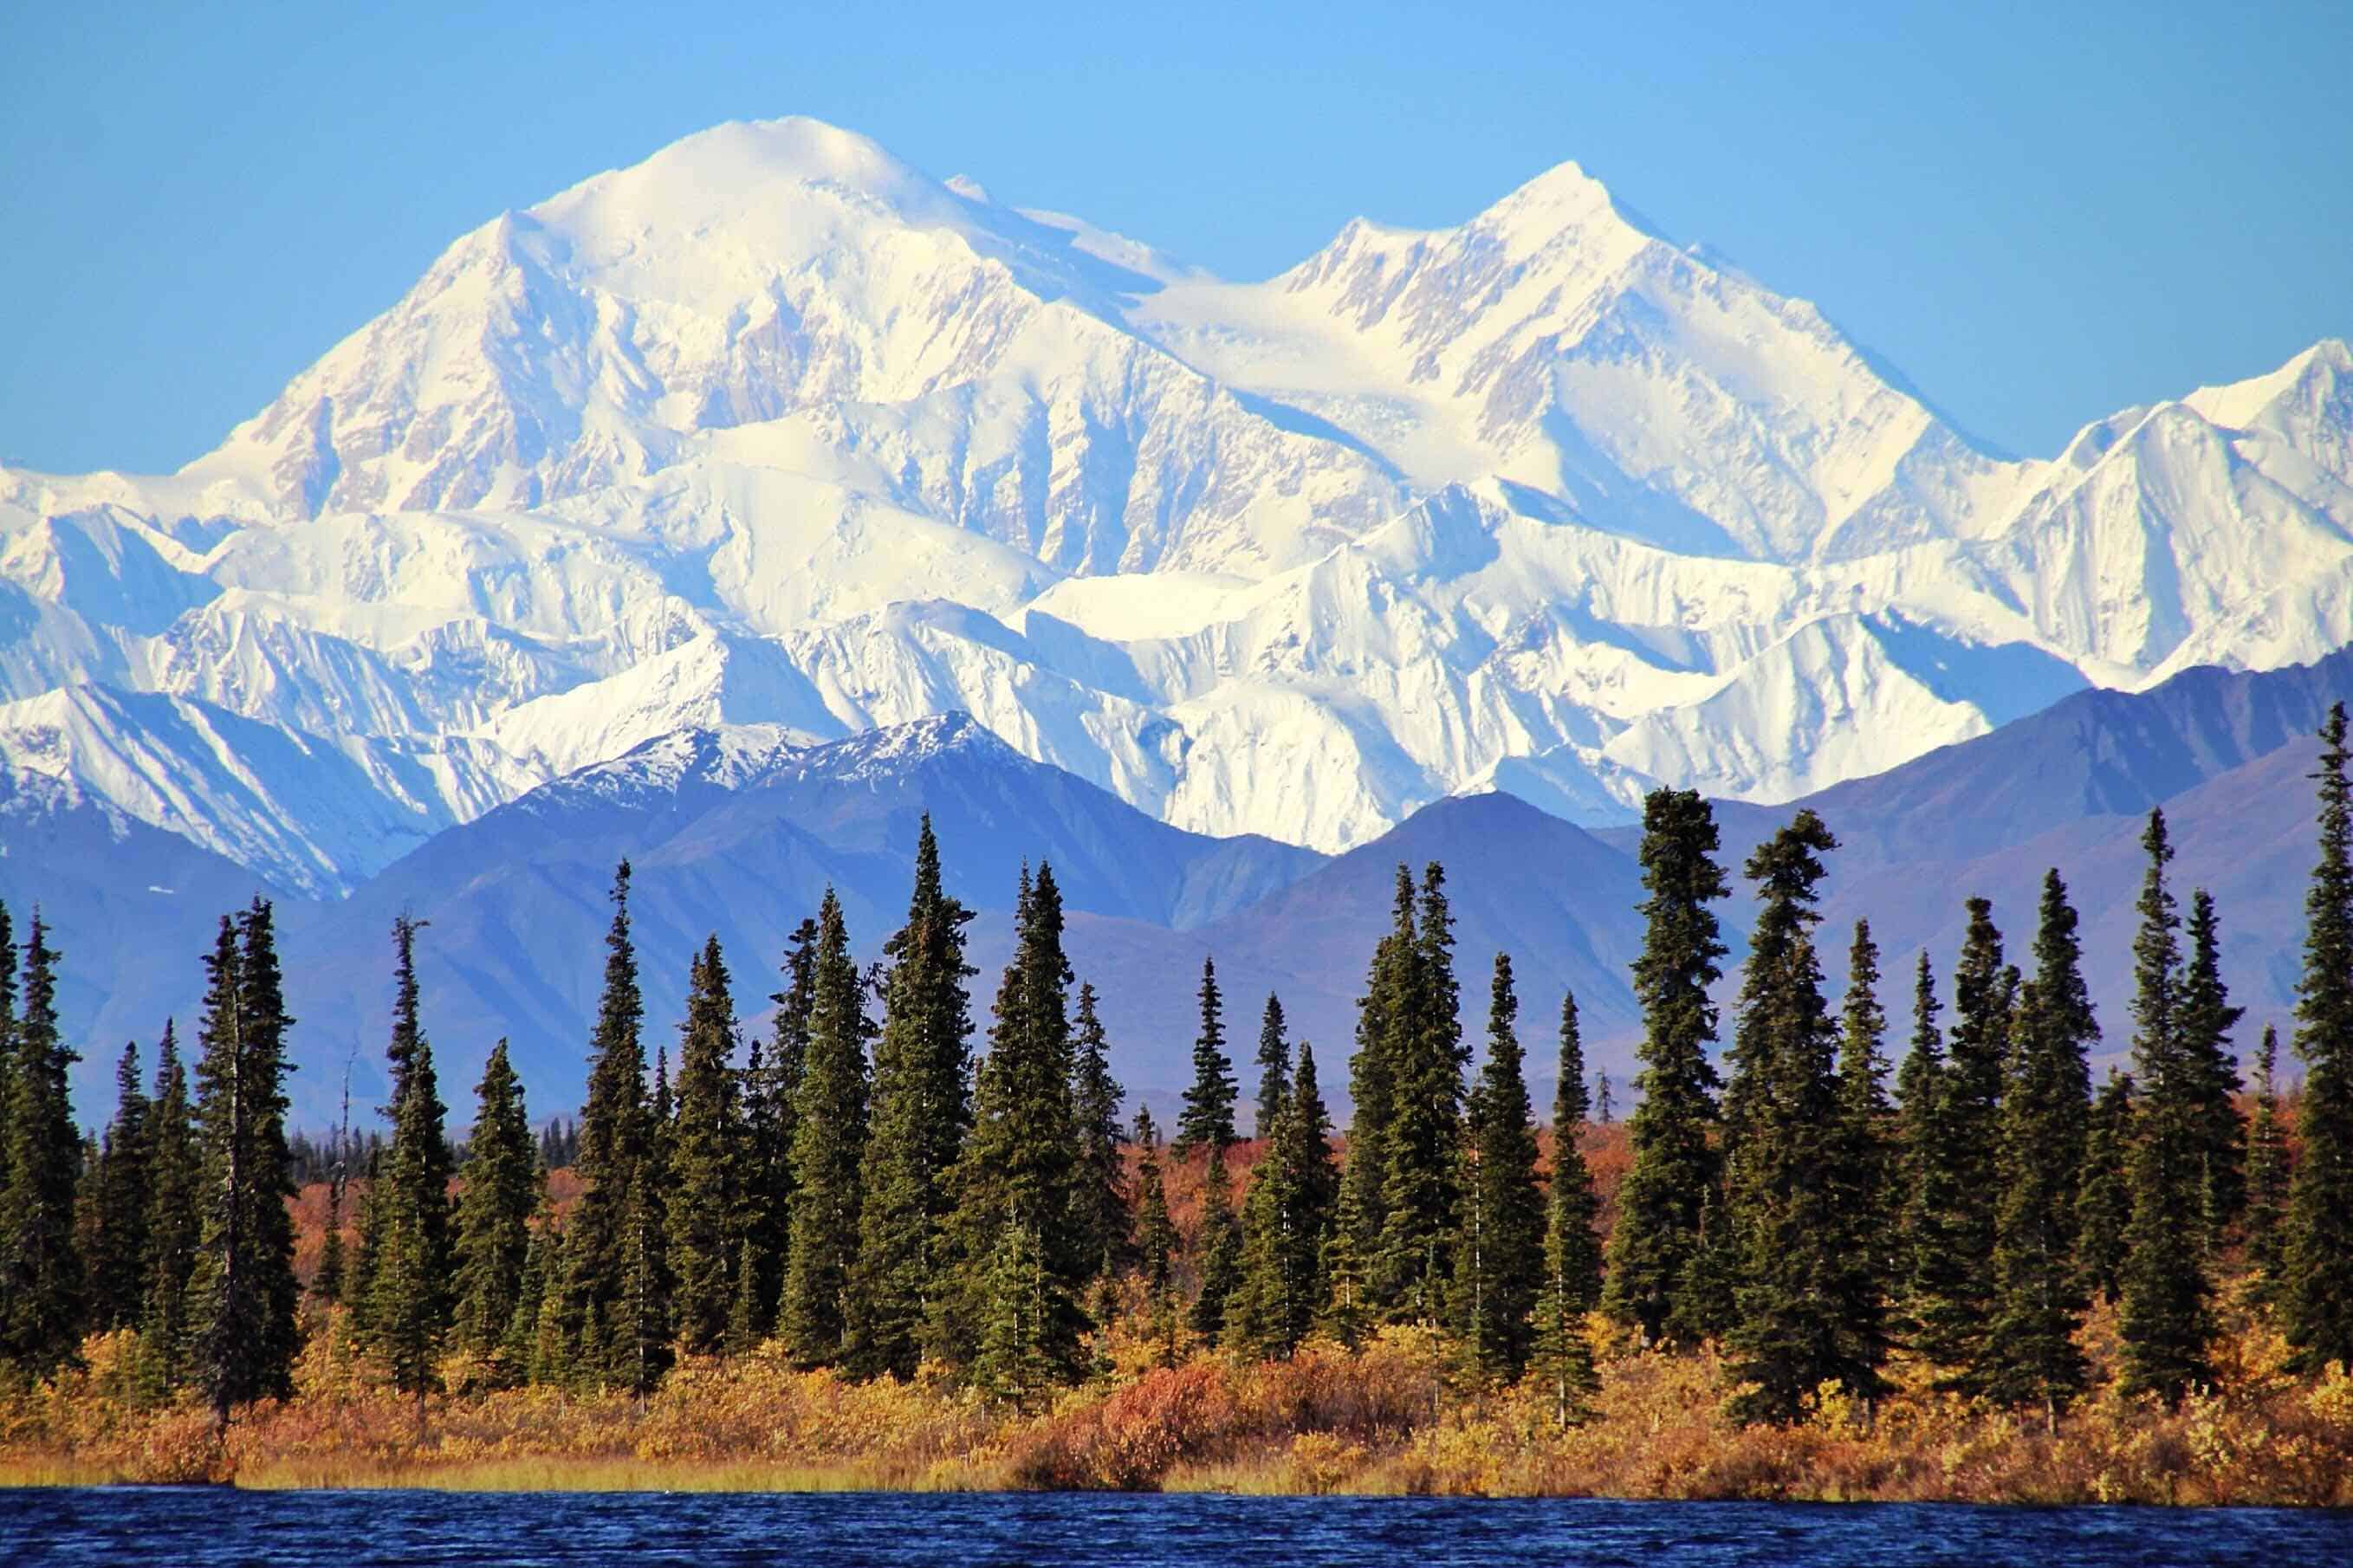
(731, 510)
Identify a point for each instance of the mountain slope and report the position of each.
(771, 428)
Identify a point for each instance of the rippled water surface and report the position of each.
(203, 1528)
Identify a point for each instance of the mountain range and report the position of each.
(656, 511)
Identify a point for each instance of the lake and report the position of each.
(201, 1527)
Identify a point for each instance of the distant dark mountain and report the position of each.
(132, 908)
(739, 833)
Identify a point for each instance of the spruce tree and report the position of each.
(2167, 1320)
(1220, 1247)
(828, 1139)
(1208, 1121)
(615, 1143)
(1155, 1237)
(2267, 1174)
(115, 1257)
(1499, 1257)
(1792, 1188)
(493, 1250)
(1563, 1354)
(2316, 1294)
(1925, 1256)
(513, 1353)
(772, 1080)
(1383, 1011)
(2103, 1200)
(1020, 1164)
(7, 1035)
(172, 1225)
(2029, 1356)
(1287, 1220)
(41, 1283)
(921, 1109)
(1273, 1067)
(1674, 1165)
(242, 1291)
(704, 1194)
(1098, 1198)
(1866, 1276)
(410, 1316)
(1422, 1189)
(2207, 1019)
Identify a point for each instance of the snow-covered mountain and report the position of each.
(773, 429)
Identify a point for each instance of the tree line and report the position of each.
(863, 1189)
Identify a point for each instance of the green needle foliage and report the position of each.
(828, 1138)
(1571, 1287)
(705, 1199)
(500, 1269)
(2317, 1275)
(1499, 1255)
(1208, 1121)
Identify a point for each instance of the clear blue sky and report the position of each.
(2039, 220)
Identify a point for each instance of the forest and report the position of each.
(878, 1243)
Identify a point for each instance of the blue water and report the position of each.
(201, 1528)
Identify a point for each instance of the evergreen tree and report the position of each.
(705, 1199)
(1866, 1268)
(172, 1174)
(2315, 1292)
(495, 1255)
(1952, 1127)
(923, 1108)
(1499, 1260)
(516, 1346)
(1020, 1164)
(241, 1290)
(2167, 1320)
(1273, 1067)
(410, 1316)
(1603, 1108)
(1287, 1220)
(327, 1284)
(1793, 1186)
(8, 1036)
(1421, 1190)
(2029, 1356)
(1383, 1011)
(2267, 1174)
(772, 1086)
(359, 1269)
(41, 1283)
(2103, 1200)
(2211, 1062)
(1572, 1249)
(1098, 1201)
(1207, 1122)
(1220, 1247)
(1017, 1358)
(1674, 1166)
(1155, 1237)
(828, 1138)
(115, 1254)
(615, 1144)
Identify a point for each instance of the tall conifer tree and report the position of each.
(2211, 1061)
(1572, 1252)
(41, 1283)
(2103, 1200)
(1422, 1191)
(493, 1247)
(1218, 1245)
(1274, 1066)
(2317, 1272)
(2029, 1356)
(1674, 1165)
(615, 1143)
(705, 1197)
(1866, 1277)
(1499, 1257)
(1155, 1237)
(830, 1136)
(1207, 1122)
(172, 1225)
(2168, 1320)
(921, 1109)
(2267, 1174)
(115, 1256)
(1383, 1013)
(1098, 1195)
(410, 1317)
(1794, 1183)
(772, 1080)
